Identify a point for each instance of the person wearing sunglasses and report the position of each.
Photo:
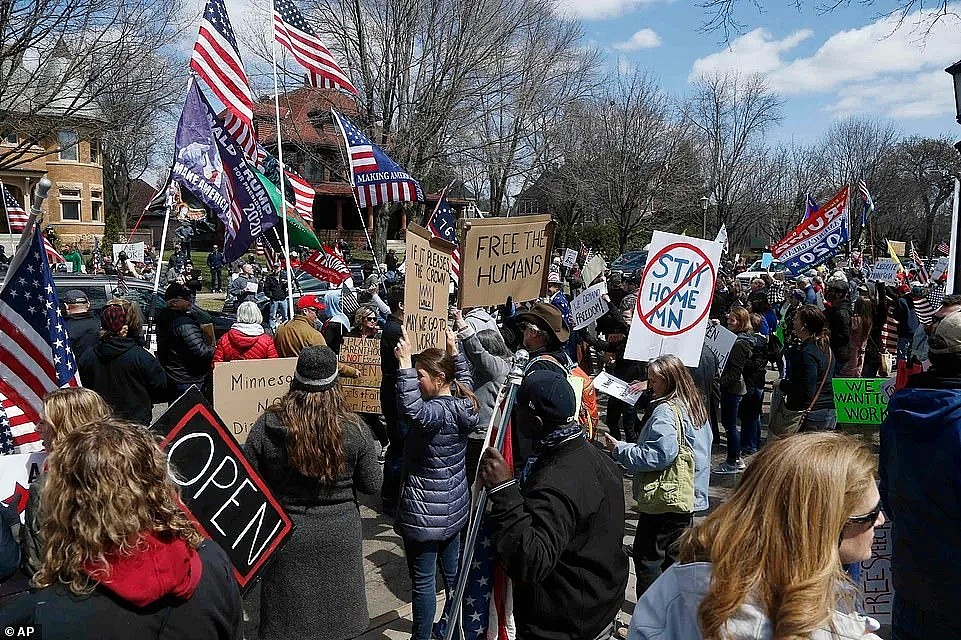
(365, 323)
(921, 487)
(768, 563)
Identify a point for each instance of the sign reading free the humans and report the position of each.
(862, 400)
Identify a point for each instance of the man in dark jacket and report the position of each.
(837, 311)
(920, 485)
(396, 428)
(558, 528)
(83, 327)
(215, 260)
(275, 288)
(908, 322)
(182, 348)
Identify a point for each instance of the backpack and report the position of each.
(583, 386)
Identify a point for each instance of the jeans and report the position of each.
(820, 420)
(422, 561)
(654, 545)
(750, 412)
(904, 347)
(616, 410)
(275, 306)
(216, 279)
(729, 405)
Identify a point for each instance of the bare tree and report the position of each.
(853, 149)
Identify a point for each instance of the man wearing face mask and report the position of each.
(559, 526)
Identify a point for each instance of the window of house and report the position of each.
(94, 152)
(68, 144)
(96, 206)
(69, 204)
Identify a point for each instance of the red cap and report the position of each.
(310, 301)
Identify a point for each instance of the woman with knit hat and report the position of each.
(128, 377)
(315, 454)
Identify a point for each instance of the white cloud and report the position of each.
(877, 69)
(600, 9)
(643, 39)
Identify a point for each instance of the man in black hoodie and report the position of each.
(182, 349)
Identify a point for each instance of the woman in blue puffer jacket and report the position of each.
(437, 402)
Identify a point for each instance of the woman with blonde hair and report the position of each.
(64, 410)
(768, 562)
(121, 560)
(661, 458)
(315, 454)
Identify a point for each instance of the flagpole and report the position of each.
(6, 212)
(353, 191)
(953, 279)
(280, 175)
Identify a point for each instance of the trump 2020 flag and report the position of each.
(377, 178)
(817, 238)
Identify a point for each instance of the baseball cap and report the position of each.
(549, 395)
(177, 290)
(947, 337)
(310, 301)
(75, 296)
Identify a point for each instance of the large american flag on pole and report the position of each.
(35, 355)
(919, 264)
(17, 219)
(377, 178)
(295, 35)
(216, 60)
(304, 195)
(443, 225)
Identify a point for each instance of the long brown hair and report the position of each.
(798, 492)
(680, 387)
(743, 318)
(66, 409)
(107, 483)
(864, 307)
(437, 362)
(315, 422)
(813, 320)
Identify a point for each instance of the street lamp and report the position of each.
(704, 202)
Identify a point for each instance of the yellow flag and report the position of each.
(894, 256)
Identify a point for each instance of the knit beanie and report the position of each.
(316, 370)
(113, 318)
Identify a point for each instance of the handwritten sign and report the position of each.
(877, 584)
(885, 270)
(940, 267)
(426, 288)
(720, 341)
(897, 247)
(570, 258)
(135, 251)
(589, 305)
(362, 393)
(674, 299)
(243, 389)
(17, 471)
(220, 491)
(862, 400)
(592, 269)
(504, 257)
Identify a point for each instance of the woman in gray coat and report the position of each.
(315, 455)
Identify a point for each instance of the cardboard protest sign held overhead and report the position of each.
(503, 257)
(243, 389)
(885, 270)
(593, 268)
(674, 299)
(589, 305)
(362, 393)
(426, 288)
(862, 400)
(570, 258)
(135, 251)
(220, 491)
(720, 341)
(897, 247)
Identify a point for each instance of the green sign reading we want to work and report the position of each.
(862, 400)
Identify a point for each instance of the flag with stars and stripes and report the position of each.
(216, 61)
(294, 34)
(868, 201)
(327, 265)
(304, 195)
(943, 248)
(443, 225)
(18, 433)
(35, 355)
(919, 264)
(348, 299)
(16, 215)
(376, 177)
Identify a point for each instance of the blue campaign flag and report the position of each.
(817, 238)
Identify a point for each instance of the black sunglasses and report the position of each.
(868, 518)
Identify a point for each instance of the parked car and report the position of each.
(756, 271)
(629, 263)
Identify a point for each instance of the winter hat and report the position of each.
(947, 337)
(548, 395)
(177, 290)
(113, 318)
(316, 370)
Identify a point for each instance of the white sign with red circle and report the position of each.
(674, 299)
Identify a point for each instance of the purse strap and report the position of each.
(823, 380)
(678, 426)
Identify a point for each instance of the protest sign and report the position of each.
(877, 586)
(363, 392)
(766, 260)
(817, 237)
(503, 257)
(593, 268)
(896, 247)
(885, 270)
(720, 341)
(570, 258)
(615, 387)
(426, 289)
(243, 389)
(674, 299)
(862, 400)
(17, 471)
(220, 491)
(135, 251)
(940, 267)
(589, 305)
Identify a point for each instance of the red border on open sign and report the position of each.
(650, 265)
(288, 527)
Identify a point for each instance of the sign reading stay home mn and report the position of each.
(862, 400)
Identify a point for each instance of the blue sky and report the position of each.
(850, 62)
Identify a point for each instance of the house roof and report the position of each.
(304, 117)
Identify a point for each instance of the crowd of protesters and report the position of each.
(775, 560)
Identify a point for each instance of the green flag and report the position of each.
(300, 233)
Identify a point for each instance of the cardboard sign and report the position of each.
(940, 267)
(862, 400)
(504, 257)
(593, 268)
(674, 299)
(17, 471)
(720, 341)
(220, 491)
(243, 389)
(876, 580)
(426, 289)
(135, 251)
(570, 258)
(362, 393)
(897, 247)
(885, 270)
(589, 305)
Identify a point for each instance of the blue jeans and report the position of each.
(904, 347)
(729, 406)
(820, 420)
(275, 306)
(750, 411)
(422, 561)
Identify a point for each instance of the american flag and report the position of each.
(348, 299)
(328, 265)
(35, 355)
(377, 179)
(18, 433)
(868, 201)
(443, 225)
(919, 264)
(16, 215)
(295, 35)
(304, 195)
(943, 248)
(216, 60)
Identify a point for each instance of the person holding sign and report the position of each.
(315, 455)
